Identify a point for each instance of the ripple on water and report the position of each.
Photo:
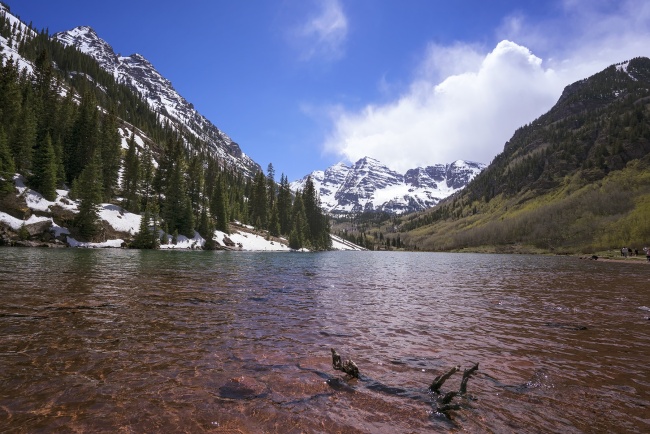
(197, 341)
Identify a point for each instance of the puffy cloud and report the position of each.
(465, 103)
(467, 116)
(323, 36)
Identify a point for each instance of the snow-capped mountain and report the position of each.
(370, 185)
(138, 73)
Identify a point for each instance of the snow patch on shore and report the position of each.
(251, 242)
(15, 223)
(126, 222)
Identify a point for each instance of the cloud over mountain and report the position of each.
(468, 115)
(464, 102)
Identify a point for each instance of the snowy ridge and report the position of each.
(370, 185)
(138, 73)
(10, 47)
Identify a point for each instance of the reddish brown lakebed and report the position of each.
(137, 341)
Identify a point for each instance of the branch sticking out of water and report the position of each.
(349, 367)
(466, 374)
(448, 397)
(440, 379)
(444, 404)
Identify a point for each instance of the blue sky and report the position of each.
(304, 84)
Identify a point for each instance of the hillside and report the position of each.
(105, 132)
(576, 179)
(136, 72)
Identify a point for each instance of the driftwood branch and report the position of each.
(440, 379)
(448, 397)
(349, 367)
(444, 404)
(466, 374)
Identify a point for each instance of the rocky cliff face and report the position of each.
(138, 73)
(369, 185)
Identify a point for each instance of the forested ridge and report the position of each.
(60, 127)
(575, 179)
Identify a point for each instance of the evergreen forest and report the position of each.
(62, 125)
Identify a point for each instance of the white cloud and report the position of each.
(467, 116)
(323, 36)
(465, 103)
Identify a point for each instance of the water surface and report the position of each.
(146, 341)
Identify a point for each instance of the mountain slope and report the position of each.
(69, 130)
(577, 178)
(369, 185)
(139, 74)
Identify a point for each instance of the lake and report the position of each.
(239, 342)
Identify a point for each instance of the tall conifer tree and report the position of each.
(90, 195)
(298, 224)
(284, 205)
(219, 204)
(45, 169)
(259, 205)
(147, 175)
(131, 177)
(84, 140)
(24, 139)
(110, 151)
(10, 96)
(7, 167)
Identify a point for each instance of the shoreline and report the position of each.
(629, 260)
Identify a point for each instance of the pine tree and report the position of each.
(147, 236)
(274, 221)
(110, 145)
(45, 169)
(46, 101)
(164, 237)
(317, 223)
(24, 139)
(220, 206)
(298, 224)
(177, 210)
(271, 186)
(186, 224)
(195, 182)
(7, 167)
(66, 115)
(206, 229)
(84, 139)
(147, 175)
(142, 239)
(131, 177)
(284, 205)
(259, 202)
(10, 96)
(90, 195)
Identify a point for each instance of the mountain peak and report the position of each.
(83, 30)
(86, 40)
(369, 185)
(139, 74)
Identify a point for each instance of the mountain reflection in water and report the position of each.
(146, 341)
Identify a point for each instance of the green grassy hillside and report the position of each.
(575, 180)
